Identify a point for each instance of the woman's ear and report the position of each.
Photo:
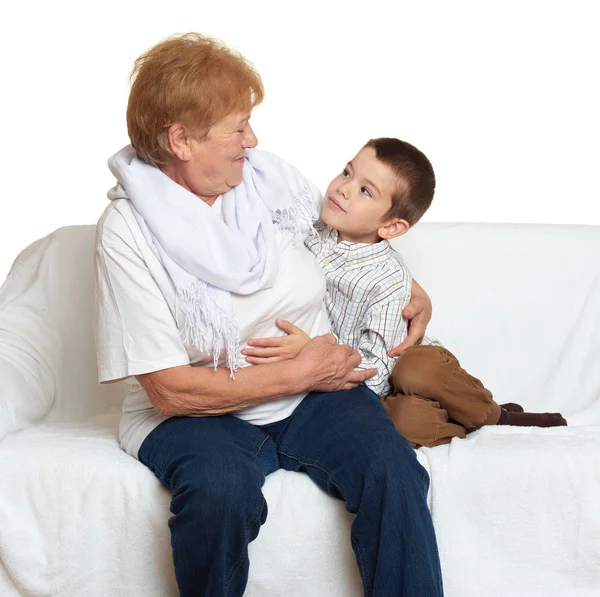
(393, 228)
(180, 142)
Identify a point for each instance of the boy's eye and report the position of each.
(345, 173)
(365, 191)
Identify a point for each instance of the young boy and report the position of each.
(379, 195)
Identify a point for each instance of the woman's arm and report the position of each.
(321, 365)
(418, 312)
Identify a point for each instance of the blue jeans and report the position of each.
(215, 468)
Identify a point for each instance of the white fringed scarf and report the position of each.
(208, 257)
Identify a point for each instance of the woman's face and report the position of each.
(215, 164)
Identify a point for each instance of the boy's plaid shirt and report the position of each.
(368, 286)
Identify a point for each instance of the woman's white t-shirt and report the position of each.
(136, 327)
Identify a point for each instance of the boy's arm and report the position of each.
(383, 328)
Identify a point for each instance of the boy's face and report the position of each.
(358, 198)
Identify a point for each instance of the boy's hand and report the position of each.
(280, 348)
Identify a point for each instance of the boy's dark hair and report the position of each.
(416, 179)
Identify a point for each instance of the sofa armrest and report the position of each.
(27, 387)
(30, 342)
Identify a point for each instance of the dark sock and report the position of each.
(512, 407)
(522, 419)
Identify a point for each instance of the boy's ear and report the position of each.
(393, 228)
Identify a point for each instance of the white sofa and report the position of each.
(516, 510)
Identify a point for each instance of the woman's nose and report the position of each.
(250, 139)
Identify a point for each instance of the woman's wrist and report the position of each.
(297, 373)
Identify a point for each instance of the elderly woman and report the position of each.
(199, 250)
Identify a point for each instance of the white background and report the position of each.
(504, 98)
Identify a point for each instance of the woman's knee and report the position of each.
(386, 446)
(393, 459)
(217, 490)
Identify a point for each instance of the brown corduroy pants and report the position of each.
(434, 399)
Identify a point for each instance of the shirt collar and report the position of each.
(359, 254)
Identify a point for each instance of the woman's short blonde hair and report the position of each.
(189, 79)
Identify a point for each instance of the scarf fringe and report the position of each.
(288, 220)
(203, 311)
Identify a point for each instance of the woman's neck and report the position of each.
(175, 175)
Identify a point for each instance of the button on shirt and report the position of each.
(368, 286)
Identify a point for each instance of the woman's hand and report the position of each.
(418, 313)
(280, 348)
(328, 366)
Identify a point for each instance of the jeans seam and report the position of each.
(153, 468)
(267, 437)
(325, 470)
(362, 562)
(253, 521)
(235, 568)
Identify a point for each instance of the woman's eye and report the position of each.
(366, 192)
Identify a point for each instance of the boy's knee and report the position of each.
(421, 367)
